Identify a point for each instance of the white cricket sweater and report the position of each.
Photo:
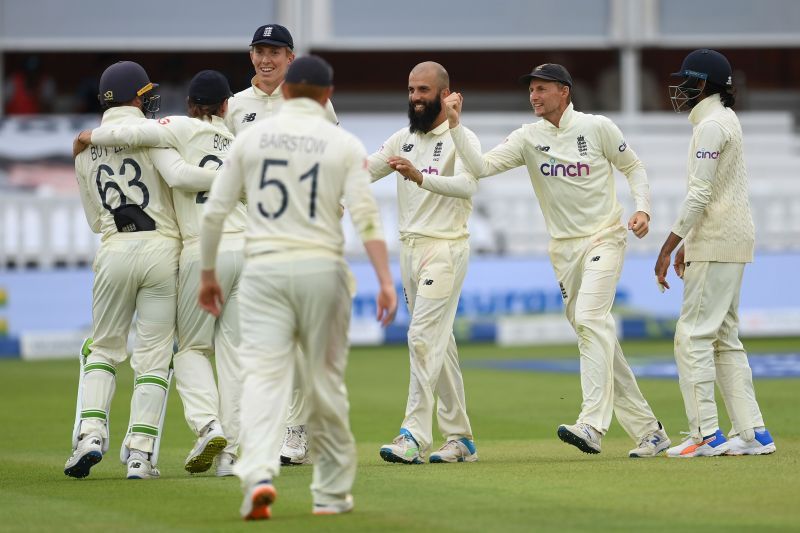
(715, 218)
(109, 176)
(420, 211)
(294, 168)
(201, 144)
(252, 105)
(570, 167)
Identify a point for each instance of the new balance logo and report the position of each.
(656, 440)
(136, 465)
(407, 147)
(596, 258)
(542, 148)
(250, 117)
(428, 282)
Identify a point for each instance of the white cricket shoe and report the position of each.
(225, 462)
(88, 453)
(295, 447)
(257, 502)
(139, 466)
(582, 436)
(210, 442)
(403, 449)
(342, 506)
(711, 446)
(652, 443)
(762, 444)
(456, 451)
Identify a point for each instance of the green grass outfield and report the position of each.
(526, 480)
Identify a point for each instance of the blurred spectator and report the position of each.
(29, 91)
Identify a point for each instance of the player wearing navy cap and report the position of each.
(569, 156)
(294, 168)
(716, 228)
(192, 148)
(271, 53)
(129, 204)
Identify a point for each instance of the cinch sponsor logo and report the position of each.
(703, 154)
(430, 170)
(560, 169)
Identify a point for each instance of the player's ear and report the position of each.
(290, 54)
(444, 93)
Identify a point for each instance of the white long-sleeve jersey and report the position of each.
(117, 175)
(715, 218)
(294, 168)
(420, 211)
(253, 105)
(202, 146)
(570, 167)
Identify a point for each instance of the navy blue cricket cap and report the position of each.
(708, 65)
(273, 35)
(209, 87)
(310, 70)
(550, 72)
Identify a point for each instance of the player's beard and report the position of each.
(423, 121)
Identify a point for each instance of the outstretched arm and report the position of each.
(501, 158)
(178, 173)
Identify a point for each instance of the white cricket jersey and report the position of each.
(200, 143)
(252, 105)
(715, 218)
(294, 169)
(111, 176)
(570, 167)
(421, 212)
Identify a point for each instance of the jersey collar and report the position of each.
(304, 106)
(708, 105)
(116, 114)
(274, 94)
(566, 119)
(438, 130)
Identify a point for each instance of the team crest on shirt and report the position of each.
(583, 149)
(437, 151)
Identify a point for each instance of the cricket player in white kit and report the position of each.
(569, 156)
(271, 54)
(200, 141)
(136, 267)
(433, 264)
(294, 169)
(717, 229)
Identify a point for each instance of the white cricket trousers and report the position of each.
(433, 272)
(707, 348)
(200, 335)
(588, 269)
(285, 301)
(134, 272)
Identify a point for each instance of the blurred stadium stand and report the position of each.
(620, 53)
